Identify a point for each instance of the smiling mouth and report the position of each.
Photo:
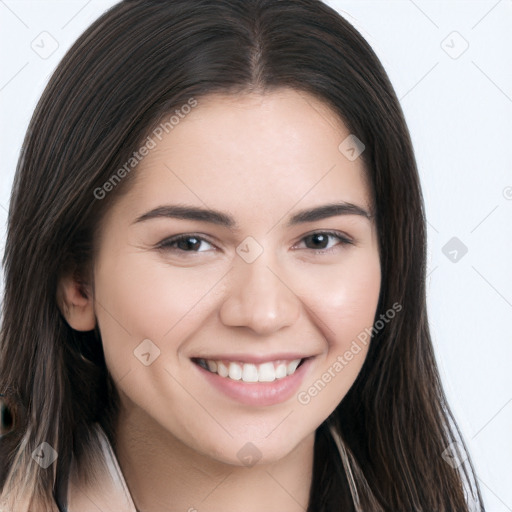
(249, 372)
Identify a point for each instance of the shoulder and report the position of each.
(108, 492)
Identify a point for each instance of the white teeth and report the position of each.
(280, 371)
(267, 372)
(248, 372)
(292, 366)
(235, 371)
(222, 370)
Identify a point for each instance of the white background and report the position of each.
(459, 110)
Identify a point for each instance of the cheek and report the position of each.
(139, 298)
(345, 298)
(345, 308)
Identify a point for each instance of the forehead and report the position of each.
(254, 153)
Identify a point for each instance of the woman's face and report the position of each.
(249, 290)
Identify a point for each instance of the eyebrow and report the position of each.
(185, 212)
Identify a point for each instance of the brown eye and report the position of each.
(184, 243)
(319, 241)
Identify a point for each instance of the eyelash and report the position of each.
(168, 244)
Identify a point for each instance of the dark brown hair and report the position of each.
(140, 61)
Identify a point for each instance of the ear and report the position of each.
(76, 304)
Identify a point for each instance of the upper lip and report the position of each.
(252, 358)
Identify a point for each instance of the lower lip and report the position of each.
(258, 393)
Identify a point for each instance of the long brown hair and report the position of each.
(138, 62)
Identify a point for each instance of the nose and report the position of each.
(259, 297)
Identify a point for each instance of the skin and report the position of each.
(260, 158)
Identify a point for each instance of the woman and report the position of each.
(176, 335)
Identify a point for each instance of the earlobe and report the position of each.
(76, 304)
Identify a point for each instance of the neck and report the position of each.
(165, 475)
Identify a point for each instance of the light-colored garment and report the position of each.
(111, 494)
